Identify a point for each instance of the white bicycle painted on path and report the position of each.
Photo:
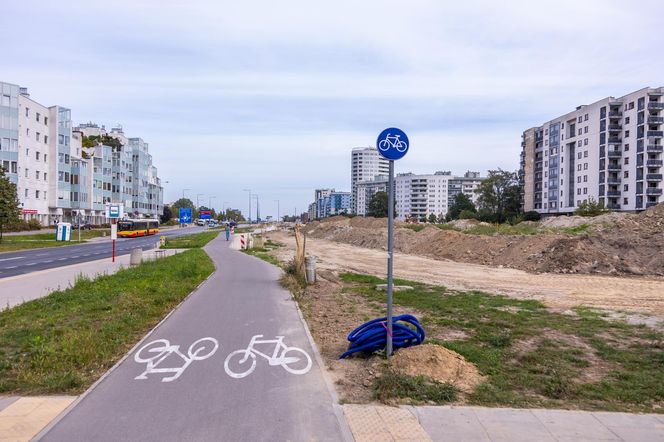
(294, 360)
(392, 141)
(155, 352)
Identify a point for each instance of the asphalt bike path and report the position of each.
(33, 260)
(197, 376)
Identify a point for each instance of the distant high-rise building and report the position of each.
(610, 151)
(365, 192)
(366, 164)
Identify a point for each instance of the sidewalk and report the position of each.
(479, 424)
(22, 418)
(15, 290)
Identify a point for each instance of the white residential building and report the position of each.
(610, 151)
(366, 190)
(419, 196)
(366, 163)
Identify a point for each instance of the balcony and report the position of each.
(653, 191)
(615, 127)
(614, 167)
(611, 180)
(613, 206)
(615, 114)
(655, 93)
(612, 193)
(653, 162)
(654, 105)
(655, 133)
(653, 177)
(655, 120)
(615, 140)
(651, 203)
(614, 153)
(654, 148)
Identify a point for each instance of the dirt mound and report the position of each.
(439, 364)
(465, 224)
(615, 244)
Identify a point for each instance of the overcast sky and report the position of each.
(272, 95)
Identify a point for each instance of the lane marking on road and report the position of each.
(41, 254)
(76, 256)
(10, 259)
(155, 352)
(10, 267)
(31, 264)
(61, 259)
(279, 357)
(46, 262)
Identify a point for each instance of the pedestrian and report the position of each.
(228, 232)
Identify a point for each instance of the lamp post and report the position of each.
(278, 214)
(249, 217)
(210, 201)
(198, 196)
(258, 208)
(183, 190)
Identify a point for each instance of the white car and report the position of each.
(200, 222)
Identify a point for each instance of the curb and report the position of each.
(71, 406)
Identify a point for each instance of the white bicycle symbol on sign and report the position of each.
(392, 141)
(297, 362)
(157, 351)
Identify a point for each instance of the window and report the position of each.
(585, 154)
(585, 142)
(631, 106)
(626, 174)
(585, 130)
(37, 194)
(45, 179)
(625, 201)
(45, 122)
(578, 191)
(625, 188)
(27, 114)
(36, 174)
(626, 133)
(578, 144)
(626, 147)
(38, 116)
(36, 155)
(578, 167)
(585, 178)
(579, 155)
(580, 119)
(14, 167)
(26, 192)
(45, 155)
(626, 120)
(585, 166)
(580, 130)
(585, 190)
(585, 117)
(37, 135)
(27, 152)
(45, 139)
(578, 179)
(626, 160)
(27, 132)
(26, 172)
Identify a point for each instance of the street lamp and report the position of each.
(258, 208)
(278, 214)
(210, 201)
(249, 217)
(198, 195)
(183, 190)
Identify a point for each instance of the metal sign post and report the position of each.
(392, 144)
(114, 212)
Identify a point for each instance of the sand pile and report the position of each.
(439, 364)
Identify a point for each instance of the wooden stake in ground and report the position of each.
(300, 246)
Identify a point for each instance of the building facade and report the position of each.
(419, 196)
(609, 151)
(366, 164)
(365, 192)
(57, 178)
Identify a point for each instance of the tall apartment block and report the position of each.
(366, 164)
(56, 177)
(365, 192)
(610, 151)
(419, 196)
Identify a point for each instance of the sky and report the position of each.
(272, 96)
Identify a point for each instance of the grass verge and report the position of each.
(11, 243)
(64, 342)
(193, 241)
(533, 357)
(418, 388)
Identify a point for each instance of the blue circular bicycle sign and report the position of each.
(392, 143)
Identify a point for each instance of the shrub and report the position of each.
(532, 216)
(33, 224)
(590, 207)
(467, 214)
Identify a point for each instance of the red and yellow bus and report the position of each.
(131, 228)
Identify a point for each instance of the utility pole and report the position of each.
(249, 217)
(278, 214)
(210, 202)
(198, 204)
(258, 208)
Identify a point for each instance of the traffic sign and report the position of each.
(114, 211)
(205, 214)
(392, 143)
(185, 215)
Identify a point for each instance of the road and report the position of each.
(26, 261)
(177, 397)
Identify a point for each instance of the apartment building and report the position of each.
(320, 196)
(419, 196)
(365, 192)
(610, 151)
(366, 164)
(328, 202)
(57, 178)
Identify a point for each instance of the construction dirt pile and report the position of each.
(615, 244)
(439, 364)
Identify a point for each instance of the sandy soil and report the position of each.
(558, 291)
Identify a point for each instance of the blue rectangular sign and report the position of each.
(205, 214)
(185, 215)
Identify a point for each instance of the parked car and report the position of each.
(212, 223)
(200, 222)
(84, 226)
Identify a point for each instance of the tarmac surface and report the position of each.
(187, 380)
(33, 260)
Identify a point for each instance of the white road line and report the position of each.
(31, 264)
(50, 260)
(9, 259)
(61, 259)
(41, 254)
(12, 267)
(76, 256)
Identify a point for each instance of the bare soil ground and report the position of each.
(560, 292)
(611, 244)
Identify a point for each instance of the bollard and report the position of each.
(135, 257)
(310, 267)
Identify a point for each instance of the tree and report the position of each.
(167, 215)
(231, 215)
(378, 205)
(432, 218)
(499, 195)
(184, 203)
(461, 203)
(590, 207)
(212, 211)
(9, 205)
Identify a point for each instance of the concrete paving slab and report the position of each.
(27, 416)
(451, 424)
(633, 427)
(383, 423)
(574, 426)
(6, 401)
(504, 424)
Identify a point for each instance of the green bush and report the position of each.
(532, 216)
(590, 207)
(467, 214)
